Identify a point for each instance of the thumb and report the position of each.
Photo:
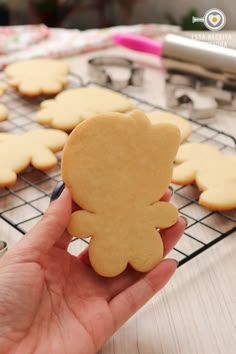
(51, 227)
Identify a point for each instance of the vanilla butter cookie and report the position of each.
(71, 107)
(3, 88)
(117, 167)
(38, 76)
(35, 147)
(183, 124)
(213, 172)
(4, 113)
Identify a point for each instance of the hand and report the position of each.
(53, 302)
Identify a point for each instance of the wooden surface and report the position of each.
(196, 312)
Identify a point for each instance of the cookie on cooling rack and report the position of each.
(117, 167)
(4, 113)
(3, 88)
(213, 172)
(35, 147)
(71, 107)
(183, 124)
(38, 76)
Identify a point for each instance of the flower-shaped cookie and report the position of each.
(3, 109)
(38, 76)
(4, 113)
(213, 172)
(3, 88)
(117, 167)
(35, 147)
(71, 107)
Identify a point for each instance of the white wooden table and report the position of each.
(196, 312)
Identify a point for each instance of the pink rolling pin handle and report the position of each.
(139, 43)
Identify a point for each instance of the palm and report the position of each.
(53, 302)
(60, 303)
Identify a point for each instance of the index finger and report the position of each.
(166, 197)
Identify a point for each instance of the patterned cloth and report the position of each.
(25, 42)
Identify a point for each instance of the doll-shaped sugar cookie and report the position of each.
(213, 172)
(117, 167)
(38, 76)
(191, 158)
(218, 185)
(36, 147)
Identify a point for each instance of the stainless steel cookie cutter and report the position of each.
(96, 69)
(180, 90)
(3, 248)
(201, 95)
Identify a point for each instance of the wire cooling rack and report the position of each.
(23, 205)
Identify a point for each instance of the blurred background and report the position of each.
(84, 14)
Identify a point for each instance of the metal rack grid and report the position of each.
(30, 195)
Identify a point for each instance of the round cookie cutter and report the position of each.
(3, 248)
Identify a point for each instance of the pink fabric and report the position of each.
(25, 42)
(14, 38)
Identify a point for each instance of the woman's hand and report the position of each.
(53, 302)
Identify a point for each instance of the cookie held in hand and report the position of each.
(71, 107)
(117, 167)
(35, 147)
(36, 77)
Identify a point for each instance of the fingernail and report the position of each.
(177, 262)
(57, 191)
(171, 190)
(185, 220)
(3, 248)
